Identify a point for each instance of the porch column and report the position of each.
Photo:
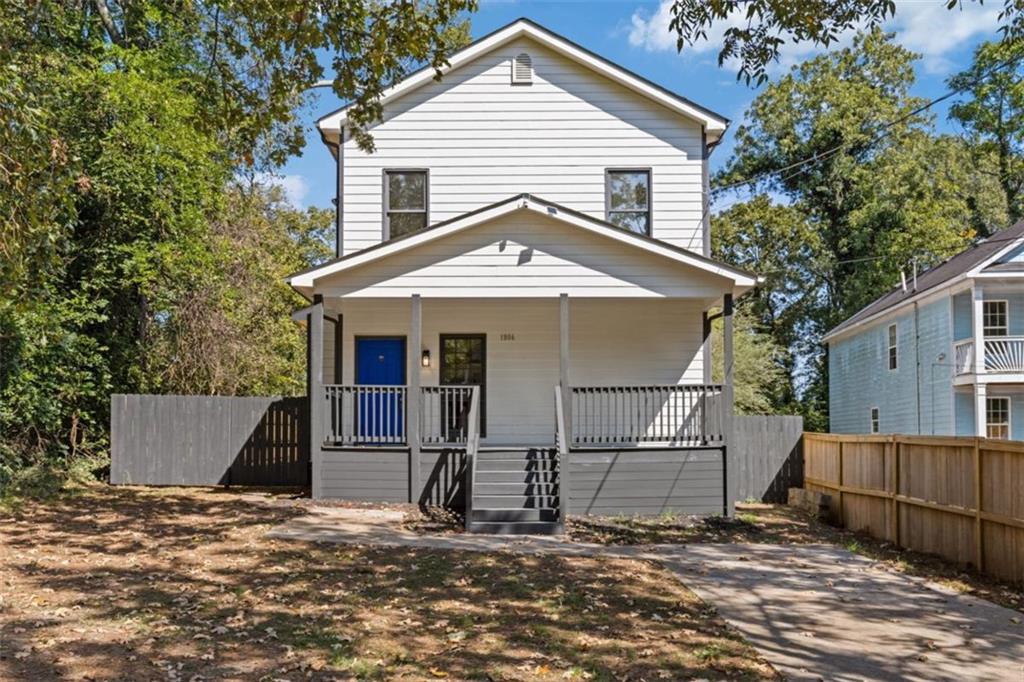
(978, 328)
(563, 361)
(315, 390)
(980, 413)
(727, 390)
(705, 320)
(412, 418)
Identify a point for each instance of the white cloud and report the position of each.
(295, 187)
(924, 26)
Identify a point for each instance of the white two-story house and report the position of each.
(518, 313)
(943, 355)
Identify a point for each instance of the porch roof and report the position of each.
(733, 280)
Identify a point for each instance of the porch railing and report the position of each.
(623, 415)
(365, 415)
(445, 414)
(963, 352)
(1003, 354)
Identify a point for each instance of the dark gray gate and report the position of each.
(767, 456)
(208, 440)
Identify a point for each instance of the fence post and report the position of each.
(839, 491)
(979, 541)
(894, 509)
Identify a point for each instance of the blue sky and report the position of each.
(635, 34)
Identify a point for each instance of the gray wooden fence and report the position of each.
(208, 440)
(767, 456)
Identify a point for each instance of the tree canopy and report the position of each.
(136, 254)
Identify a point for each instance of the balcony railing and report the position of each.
(625, 415)
(1003, 354)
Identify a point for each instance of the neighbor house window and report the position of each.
(995, 318)
(628, 199)
(874, 420)
(405, 202)
(997, 418)
(893, 348)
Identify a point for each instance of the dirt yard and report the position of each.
(181, 584)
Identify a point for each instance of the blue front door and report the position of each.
(380, 362)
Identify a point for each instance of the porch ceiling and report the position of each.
(524, 247)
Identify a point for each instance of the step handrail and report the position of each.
(472, 447)
(562, 455)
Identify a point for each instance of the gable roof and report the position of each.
(742, 281)
(960, 266)
(714, 123)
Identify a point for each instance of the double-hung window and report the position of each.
(405, 202)
(893, 348)
(995, 318)
(628, 199)
(997, 417)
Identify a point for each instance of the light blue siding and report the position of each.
(1015, 309)
(962, 316)
(860, 378)
(965, 413)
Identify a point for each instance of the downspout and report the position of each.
(917, 369)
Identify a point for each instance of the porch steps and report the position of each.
(515, 492)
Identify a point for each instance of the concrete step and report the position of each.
(516, 528)
(510, 515)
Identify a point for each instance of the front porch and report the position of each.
(546, 446)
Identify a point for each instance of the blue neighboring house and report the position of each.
(942, 357)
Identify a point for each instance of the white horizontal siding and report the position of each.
(611, 343)
(524, 254)
(484, 140)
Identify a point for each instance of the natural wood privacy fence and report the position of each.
(959, 498)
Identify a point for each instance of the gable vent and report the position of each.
(522, 69)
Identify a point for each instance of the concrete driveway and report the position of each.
(814, 611)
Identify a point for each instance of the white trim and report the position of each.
(892, 343)
(715, 126)
(1011, 245)
(741, 280)
(1006, 304)
(1009, 415)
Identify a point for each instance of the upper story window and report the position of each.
(996, 319)
(628, 199)
(405, 202)
(893, 348)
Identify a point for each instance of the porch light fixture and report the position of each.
(425, 361)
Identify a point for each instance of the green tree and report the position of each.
(992, 117)
(757, 367)
(757, 29)
(881, 194)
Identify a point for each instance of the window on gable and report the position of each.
(875, 420)
(405, 202)
(893, 348)
(995, 318)
(997, 417)
(628, 199)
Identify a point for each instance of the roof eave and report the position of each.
(714, 124)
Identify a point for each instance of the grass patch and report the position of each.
(113, 584)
